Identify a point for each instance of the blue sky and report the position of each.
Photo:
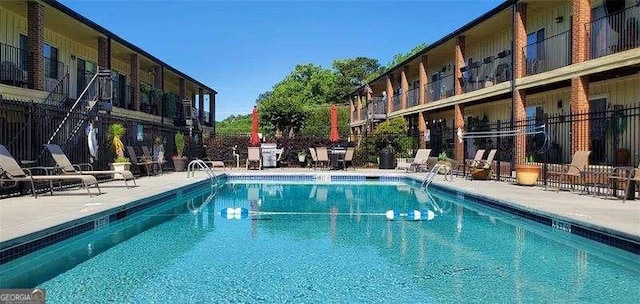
(242, 48)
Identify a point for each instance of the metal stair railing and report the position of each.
(214, 183)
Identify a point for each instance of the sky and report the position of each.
(242, 48)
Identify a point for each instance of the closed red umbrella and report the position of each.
(254, 140)
(333, 134)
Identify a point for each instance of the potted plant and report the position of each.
(302, 155)
(179, 161)
(120, 163)
(527, 173)
(443, 160)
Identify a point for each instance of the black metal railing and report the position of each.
(614, 33)
(549, 54)
(14, 66)
(376, 108)
(413, 97)
(442, 88)
(491, 70)
(54, 71)
(397, 102)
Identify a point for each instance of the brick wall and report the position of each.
(404, 85)
(35, 44)
(389, 94)
(520, 115)
(458, 122)
(580, 105)
(580, 38)
(459, 62)
(422, 70)
(104, 53)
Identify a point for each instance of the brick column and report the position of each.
(358, 107)
(352, 108)
(459, 62)
(422, 127)
(458, 122)
(422, 71)
(183, 89)
(135, 81)
(580, 32)
(580, 85)
(404, 85)
(201, 105)
(389, 95)
(580, 106)
(158, 83)
(35, 45)
(519, 40)
(104, 53)
(520, 116)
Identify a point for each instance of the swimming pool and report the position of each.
(319, 241)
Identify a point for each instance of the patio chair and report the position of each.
(253, 156)
(482, 168)
(66, 167)
(470, 163)
(323, 156)
(626, 175)
(142, 162)
(12, 172)
(314, 157)
(148, 155)
(348, 158)
(420, 161)
(574, 170)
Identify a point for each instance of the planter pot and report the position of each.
(120, 167)
(527, 175)
(446, 167)
(301, 158)
(622, 157)
(179, 164)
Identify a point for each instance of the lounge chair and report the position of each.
(482, 168)
(12, 172)
(626, 175)
(143, 162)
(574, 170)
(253, 156)
(470, 163)
(314, 157)
(348, 158)
(66, 167)
(323, 156)
(418, 162)
(159, 159)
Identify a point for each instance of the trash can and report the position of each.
(386, 159)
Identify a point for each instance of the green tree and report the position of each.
(354, 71)
(234, 124)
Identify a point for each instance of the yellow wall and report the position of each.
(625, 91)
(490, 47)
(546, 18)
(11, 26)
(121, 67)
(497, 110)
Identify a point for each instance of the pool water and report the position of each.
(327, 242)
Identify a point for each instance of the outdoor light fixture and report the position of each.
(559, 19)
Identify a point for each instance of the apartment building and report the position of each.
(49, 53)
(572, 64)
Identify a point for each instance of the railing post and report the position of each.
(498, 176)
(546, 153)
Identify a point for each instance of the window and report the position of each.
(23, 51)
(50, 61)
(86, 70)
(535, 45)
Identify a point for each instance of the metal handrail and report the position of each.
(212, 176)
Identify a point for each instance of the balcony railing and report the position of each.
(441, 88)
(397, 102)
(13, 66)
(376, 109)
(54, 71)
(413, 97)
(491, 70)
(614, 33)
(549, 54)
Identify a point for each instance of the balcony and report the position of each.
(614, 33)
(376, 109)
(13, 66)
(413, 97)
(397, 102)
(54, 72)
(549, 54)
(441, 88)
(488, 72)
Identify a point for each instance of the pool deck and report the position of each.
(20, 216)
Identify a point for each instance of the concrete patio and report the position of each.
(20, 216)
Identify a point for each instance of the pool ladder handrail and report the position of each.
(212, 176)
(430, 176)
